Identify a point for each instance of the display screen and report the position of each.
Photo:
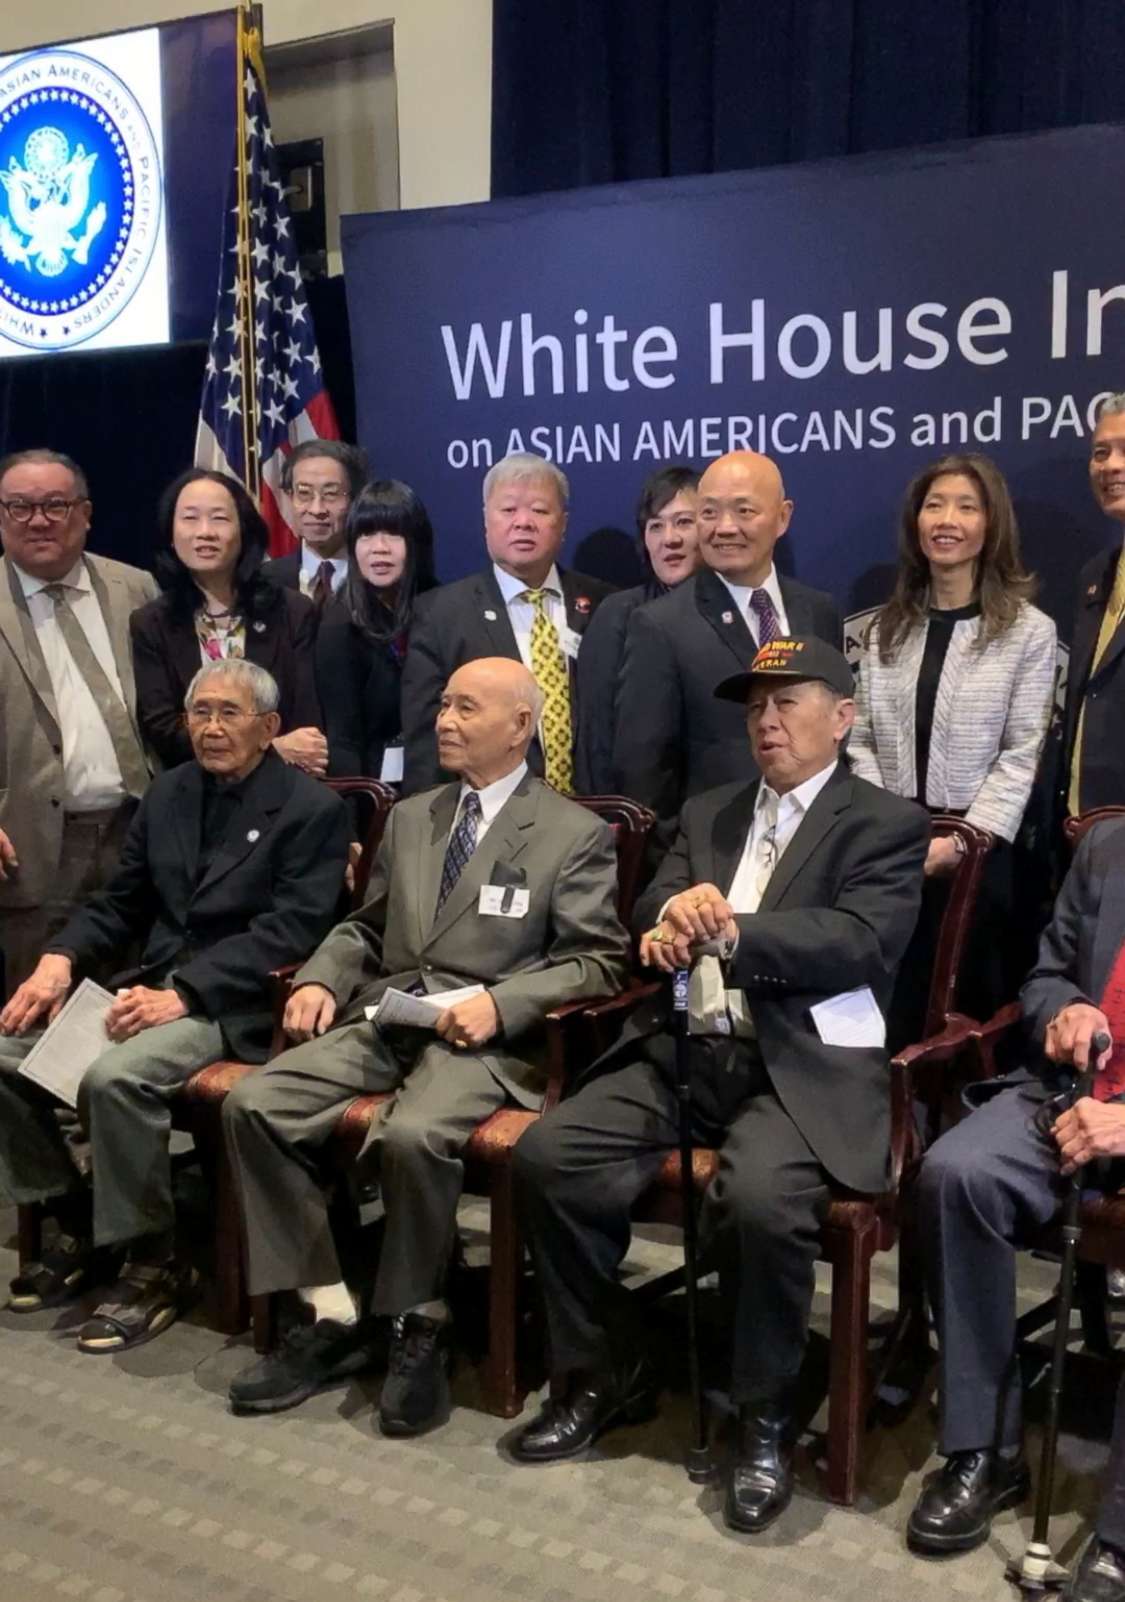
(115, 155)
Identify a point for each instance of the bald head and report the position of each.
(743, 512)
(488, 716)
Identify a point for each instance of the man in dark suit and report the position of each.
(789, 892)
(1092, 770)
(233, 866)
(321, 477)
(497, 883)
(523, 606)
(990, 1185)
(674, 739)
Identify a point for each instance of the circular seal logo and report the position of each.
(80, 198)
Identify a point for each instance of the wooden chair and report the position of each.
(197, 1106)
(487, 1153)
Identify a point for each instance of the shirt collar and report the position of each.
(310, 562)
(741, 593)
(76, 579)
(512, 588)
(494, 795)
(799, 799)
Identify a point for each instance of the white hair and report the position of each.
(1112, 406)
(524, 464)
(264, 694)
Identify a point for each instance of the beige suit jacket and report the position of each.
(31, 767)
(568, 946)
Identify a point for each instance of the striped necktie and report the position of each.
(462, 844)
(769, 626)
(114, 713)
(549, 667)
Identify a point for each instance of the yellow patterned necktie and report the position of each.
(549, 667)
(1111, 617)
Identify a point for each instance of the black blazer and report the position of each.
(673, 738)
(284, 571)
(166, 658)
(1103, 763)
(359, 684)
(838, 912)
(268, 898)
(457, 624)
(599, 684)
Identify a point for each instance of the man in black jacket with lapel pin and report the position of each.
(785, 895)
(1092, 771)
(523, 606)
(674, 738)
(233, 866)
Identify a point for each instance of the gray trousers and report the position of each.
(123, 1102)
(278, 1120)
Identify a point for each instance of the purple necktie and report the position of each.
(762, 607)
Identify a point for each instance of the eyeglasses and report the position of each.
(307, 495)
(55, 509)
(227, 717)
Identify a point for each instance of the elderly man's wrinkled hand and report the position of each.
(39, 998)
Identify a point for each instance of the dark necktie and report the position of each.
(321, 592)
(462, 844)
(115, 716)
(762, 607)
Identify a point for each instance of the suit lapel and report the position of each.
(116, 608)
(1089, 622)
(252, 820)
(505, 841)
(818, 821)
(579, 605)
(714, 603)
(729, 836)
(798, 607)
(491, 613)
(19, 631)
(432, 841)
(187, 812)
(1117, 641)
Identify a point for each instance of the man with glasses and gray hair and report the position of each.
(321, 477)
(233, 866)
(72, 766)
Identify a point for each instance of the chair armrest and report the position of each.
(567, 1031)
(987, 1036)
(635, 991)
(957, 1036)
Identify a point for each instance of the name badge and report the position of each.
(570, 640)
(503, 901)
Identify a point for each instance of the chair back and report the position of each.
(371, 802)
(1075, 829)
(632, 824)
(957, 919)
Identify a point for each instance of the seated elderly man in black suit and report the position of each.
(673, 738)
(785, 894)
(992, 1184)
(232, 866)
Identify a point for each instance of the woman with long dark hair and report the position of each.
(364, 630)
(668, 546)
(954, 691)
(216, 605)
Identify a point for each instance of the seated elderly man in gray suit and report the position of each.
(494, 881)
(232, 866)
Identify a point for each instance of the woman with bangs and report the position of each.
(365, 630)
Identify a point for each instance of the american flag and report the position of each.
(263, 392)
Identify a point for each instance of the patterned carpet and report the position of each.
(127, 1480)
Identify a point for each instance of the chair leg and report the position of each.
(1090, 1292)
(847, 1383)
(29, 1230)
(262, 1319)
(503, 1392)
(231, 1311)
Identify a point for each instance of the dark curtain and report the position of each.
(129, 417)
(601, 91)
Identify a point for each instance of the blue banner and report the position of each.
(854, 319)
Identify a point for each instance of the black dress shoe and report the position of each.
(760, 1478)
(592, 1405)
(416, 1391)
(954, 1511)
(1099, 1575)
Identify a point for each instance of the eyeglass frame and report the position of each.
(41, 506)
(323, 494)
(227, 717)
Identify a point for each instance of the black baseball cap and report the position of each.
(796, 657)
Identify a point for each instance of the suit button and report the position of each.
(54, 801)
(57, 749)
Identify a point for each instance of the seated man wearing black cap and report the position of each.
(782, 894)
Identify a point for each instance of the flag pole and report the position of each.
(248, 50)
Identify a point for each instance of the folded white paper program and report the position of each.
(68, 1047)
(850, 1019)
(416, 1012)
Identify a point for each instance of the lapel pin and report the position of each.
(1093, 590)
(582, 604)
(490, 616)
(254, 834)
(728, 617)
(259, 628)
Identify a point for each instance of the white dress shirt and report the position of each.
(521, 613)
(712, 1008)
(740, 594)
(491, 799)
(310, 567)
(91, 772)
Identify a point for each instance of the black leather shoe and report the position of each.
(1099, 1575)
(954, 1511)
(309, 1357)
(760, 1478)
(416, 1391)
(592, 1405)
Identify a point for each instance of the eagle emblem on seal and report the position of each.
(48, 199)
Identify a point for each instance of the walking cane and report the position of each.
(699, 1465)
(1037, 1571)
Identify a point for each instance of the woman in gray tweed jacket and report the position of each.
(956, 683)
